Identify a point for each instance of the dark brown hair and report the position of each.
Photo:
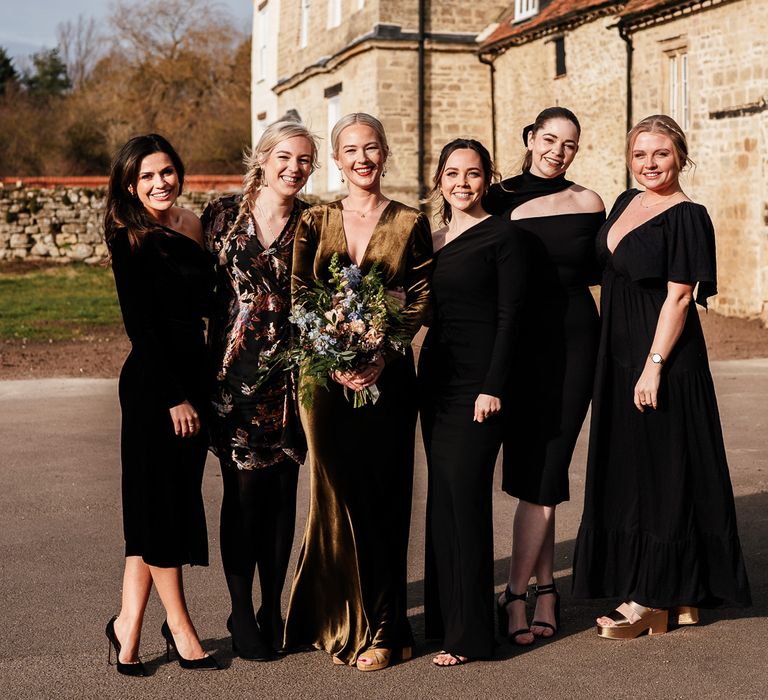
(124, 211)
(489, 171)
(544, 116)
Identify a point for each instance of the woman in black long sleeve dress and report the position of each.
(559, 219)
(659, 525)
(478, 287)
(164, 284)
(255, 429)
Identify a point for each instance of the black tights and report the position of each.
(258, 515)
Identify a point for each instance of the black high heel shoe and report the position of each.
(205, 663)
(271, 630)
(548, 589)
(130, 669)
(258, 650)
(503, 617)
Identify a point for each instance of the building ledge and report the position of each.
(386, 36)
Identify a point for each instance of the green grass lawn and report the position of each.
(58, 303)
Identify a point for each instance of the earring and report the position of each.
(384, 172)
(341, 172)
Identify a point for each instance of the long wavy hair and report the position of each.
(489, 171)
(123, 210)
(254, 158)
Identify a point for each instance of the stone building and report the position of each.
(436, 70)
(704, 62)
(396, 59)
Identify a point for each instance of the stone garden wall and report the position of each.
(61, 222)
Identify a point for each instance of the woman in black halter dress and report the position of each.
(547, 407)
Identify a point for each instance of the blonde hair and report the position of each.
(253, 158)
(359, 118)
(661, 124)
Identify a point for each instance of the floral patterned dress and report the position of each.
(252, 427)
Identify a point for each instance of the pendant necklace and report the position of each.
(363, 214)
(266, 221)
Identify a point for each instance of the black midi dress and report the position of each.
(478, 288)
(557, 349)
(165, 289)
(659, 523)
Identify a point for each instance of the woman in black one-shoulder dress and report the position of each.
(659, 525)
(548, 401)
(164, 281)
(478, 288)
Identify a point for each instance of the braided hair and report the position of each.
(253, 159)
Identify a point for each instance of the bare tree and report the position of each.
(81, 44)
(163, 30)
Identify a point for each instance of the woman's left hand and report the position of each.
(486, 406)
(647, 388)
(366, 376)
(398, 294)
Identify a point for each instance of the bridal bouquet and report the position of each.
(342, 324)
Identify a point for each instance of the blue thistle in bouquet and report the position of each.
(341, 325)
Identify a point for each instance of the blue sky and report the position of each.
(27, 26)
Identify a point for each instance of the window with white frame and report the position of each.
(333, 181)
(677, 88)
(334, 13)
(304, 27)
(525, 9)
(262, 43)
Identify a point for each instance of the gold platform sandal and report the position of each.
(375, 658)
(653, 620)
(683, 615)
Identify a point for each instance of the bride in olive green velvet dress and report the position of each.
(349, 591)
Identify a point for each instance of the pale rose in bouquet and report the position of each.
(341, 325)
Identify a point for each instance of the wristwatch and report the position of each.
(656, 358)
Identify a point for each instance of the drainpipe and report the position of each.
(422, 107)
(489, 62)
(626, 36)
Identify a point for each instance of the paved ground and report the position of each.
(60, 565)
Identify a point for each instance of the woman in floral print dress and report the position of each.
(255, 430)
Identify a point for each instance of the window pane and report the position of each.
(684, 91)
(304, 32)
(673, 87)
(559, 56)
(334, 114)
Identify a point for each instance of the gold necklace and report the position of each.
(363, 214)
(266, 221)
(641, 199)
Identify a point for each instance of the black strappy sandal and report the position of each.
(549, 589)
(459, 661)
(503, 618)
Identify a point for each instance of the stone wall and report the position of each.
(727, 49)
(593, 87)
(61, 224)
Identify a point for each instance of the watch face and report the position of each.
(656, 358)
